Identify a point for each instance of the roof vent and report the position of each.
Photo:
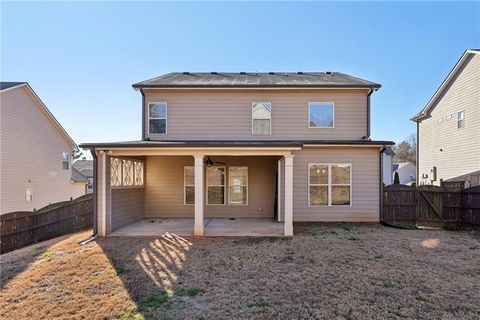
(186, 72)
(299, 72)
(271, 73)
(242, 72)
(329, 72)
(286, 74)
(213, 72)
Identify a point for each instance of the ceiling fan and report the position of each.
(209, 162)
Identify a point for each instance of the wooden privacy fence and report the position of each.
(22, 228)
(427, 205)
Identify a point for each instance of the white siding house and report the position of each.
(35, 153)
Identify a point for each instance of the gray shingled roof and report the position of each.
(85, 167)
(7, 84)
(77, 176)
(254, 79)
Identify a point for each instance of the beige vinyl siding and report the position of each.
(461, 153)
(227, 114)
(31, 149)
(164, 193)
(128, 206)
(365, 184)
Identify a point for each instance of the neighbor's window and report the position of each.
(460, 119)
(28, 195)
(66, 160)
(238, 185)
(321, 114)
(215, 185)
(261, 118)
(329, 184)
(157, 117)
(189, 185)
(126, 173)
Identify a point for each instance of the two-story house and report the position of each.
(35, 153)
(448, 127)
(243, 147)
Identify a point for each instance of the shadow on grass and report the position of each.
(150, 271)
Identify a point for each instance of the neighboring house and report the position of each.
(407, 172)
(85, 167)
(448, 127)
(283, 146)
(35, 153)
(388, 166)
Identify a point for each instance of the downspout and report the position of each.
(143, 114)
(418, 155)
(94, 200)
(381, 181)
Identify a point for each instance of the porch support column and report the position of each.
(198, 224)
(102, 194)
(288, 219)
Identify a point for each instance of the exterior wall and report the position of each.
(365, 184)
(227, 115)
(460, 152)
(31, 155)
(406, 173)
(128, 206)
(164, 193)
(387, 169)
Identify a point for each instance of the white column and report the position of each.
(288, 219)
(102, 194)
(199, 196)
(279, 190)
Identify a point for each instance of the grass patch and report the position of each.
(281, 239)
(378, 257)
(347, 228)
(158, 300)
(47, 255)
(119, 270)
(260, 304)
(191, 292)
(132, 315)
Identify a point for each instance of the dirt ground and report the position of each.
(341, 271)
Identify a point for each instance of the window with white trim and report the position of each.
(238, 185)
(215, 185)
(321, 115)
(126, 173)
(66, 160)
(460, 119)
(28, 195)
(157, 117)
(261, 118)
(329, 184)
(189, 185)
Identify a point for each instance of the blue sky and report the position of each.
(81, 58)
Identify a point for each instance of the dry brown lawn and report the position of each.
(342, 271)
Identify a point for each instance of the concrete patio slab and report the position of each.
(213, 227)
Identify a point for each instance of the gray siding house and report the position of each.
(278, 147)
(448, 127)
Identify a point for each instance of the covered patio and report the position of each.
(211, 227)
(172, 191)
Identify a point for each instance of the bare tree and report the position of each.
(406, 151)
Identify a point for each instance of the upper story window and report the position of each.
(66, 160)
(460, 119)
(157, 117)
(261, 118)
(321, 114)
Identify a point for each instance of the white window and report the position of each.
(126, 173)
(65, 160)
(157, 117)
(329, 184)
(215, 185)
(321, 115)
(261, 118)
(460, 119)
(238, 185)
(189, 185)
(28, 195)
